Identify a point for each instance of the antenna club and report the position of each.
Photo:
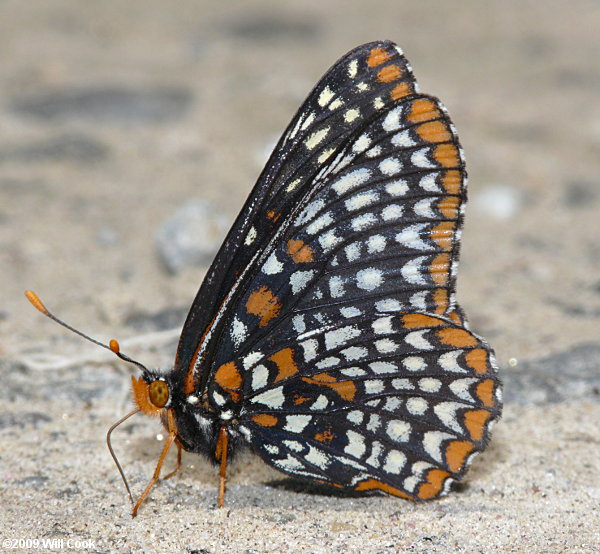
(35, 300)
(114, 346)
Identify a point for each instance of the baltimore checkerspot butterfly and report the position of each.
(326, 335)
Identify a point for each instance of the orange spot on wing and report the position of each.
(264, 304)
(433, 484)
(440, 298)
(456, 453)
(286, 366)
(447, 155)
(449, 205)
(141, 397)
(390, 73)
(485, 392)
(299, 399)
(456, 337)
(423, 109)
(434, 131)
(265, 420)
(374, 484)
(455, 316)
(326, 436)
(377, 56)
(228, 377)
(477, 359)
(451, 181)
(346, 389)
(443, 234)
(300, 252)
(400, 90)
(475, 421)
(273, 215)
(440, 269)
(420, 321)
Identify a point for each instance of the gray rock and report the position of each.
(69, 148)
(566, 376)
(191, 236)
(108, 104)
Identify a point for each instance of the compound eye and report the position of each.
(159, 393)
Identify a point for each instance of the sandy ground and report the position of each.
(113, 115)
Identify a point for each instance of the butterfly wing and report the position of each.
(366, 81)
(397, 402)
(340, 344)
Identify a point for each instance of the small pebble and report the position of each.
(501, 202)
(191, 236)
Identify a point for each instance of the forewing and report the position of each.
(367, 81)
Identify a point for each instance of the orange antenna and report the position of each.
(113, 345)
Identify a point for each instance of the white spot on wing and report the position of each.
(392, 120)
(351, 115)
(383, 325)
(325, 96)
(369, 279)
(424, 209)
(411, 237)
(319, 223)
(336, 287)
(354, 353)
(394, 462)
(351, 180)
(428, 183)
(356, 444)
(260, 377)
(390, 166)
(416, 405)
(388, 305)
(352, 68)
(382, 368)
(363, 221)
(299, 280)
(361, 200)
(296, 423)
(272, 265)
(419, 158)
(446, 412)
(392, 212)
(417, 339)
(238, 331)
(376, 243)
(250, 236)
(432, 441)
(341, 336)
(361, 144)
(316, 138)
(273, 398)
(397, 188)
(411, 271)
(398, 430)
(403, 139)
(414, 363)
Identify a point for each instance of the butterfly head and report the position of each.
(151, 394)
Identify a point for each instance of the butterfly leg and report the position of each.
(221, 454)
(178, 466)
(163, 455)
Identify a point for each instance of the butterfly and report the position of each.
(326, 336)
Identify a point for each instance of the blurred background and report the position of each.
(131, 134)
(116, 116)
